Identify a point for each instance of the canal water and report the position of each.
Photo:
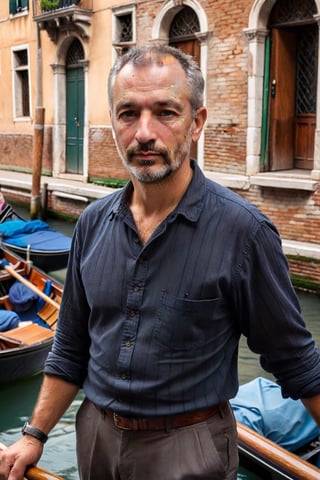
(16, 401)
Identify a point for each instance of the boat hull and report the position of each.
(269, 461)
(47, 261)
(33, 240)
(23, 362)
(24, 349)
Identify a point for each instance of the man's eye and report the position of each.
(167, 113)
(127, 114)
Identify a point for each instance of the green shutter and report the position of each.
(25, 3)
(13, 6)
(265, 106)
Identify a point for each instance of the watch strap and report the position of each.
(28, 429)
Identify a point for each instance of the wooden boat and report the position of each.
(269, 461)
(47, 248)
(278, 438)
(24, 349)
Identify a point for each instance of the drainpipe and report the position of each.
(35, 205)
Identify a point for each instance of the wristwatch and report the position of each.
(34, 432)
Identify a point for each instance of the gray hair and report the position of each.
(154, 55)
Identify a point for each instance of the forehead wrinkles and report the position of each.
(169, 79)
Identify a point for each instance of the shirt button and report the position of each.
(136, 239)
(136, 288)
(123, 376)
(128, 343)
(132, 313)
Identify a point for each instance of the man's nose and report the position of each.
(145, 128)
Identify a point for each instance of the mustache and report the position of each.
(146, 147)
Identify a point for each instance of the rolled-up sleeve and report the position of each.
(270, 315)
(70, 352)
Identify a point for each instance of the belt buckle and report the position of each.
(115, 421)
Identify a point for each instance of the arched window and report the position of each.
(75, 54)
(184, 24)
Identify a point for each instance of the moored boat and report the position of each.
(46, 247)
(29, 307)
(270, 461)
(278, 438)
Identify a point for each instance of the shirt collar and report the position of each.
(190, 206)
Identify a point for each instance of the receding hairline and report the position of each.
(161, 56)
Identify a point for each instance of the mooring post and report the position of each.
(37, 162)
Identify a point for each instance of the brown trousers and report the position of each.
(206, 450)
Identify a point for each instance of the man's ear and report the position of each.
(198, 123)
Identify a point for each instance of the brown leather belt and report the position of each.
(162, 423)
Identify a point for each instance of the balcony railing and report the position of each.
(45, 7)
(57, 15)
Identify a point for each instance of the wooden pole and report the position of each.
(37, 162)
(35, 205)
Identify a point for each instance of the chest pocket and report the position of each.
(184, 324)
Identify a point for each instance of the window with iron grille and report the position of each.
(293, 12)
(17, 6)
(75, 54)
(124, 28)
(184, 24)
(21, 83)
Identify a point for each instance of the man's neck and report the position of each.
(151, 203)
(162, 196)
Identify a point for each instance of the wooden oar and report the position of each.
(272, 453)
(4, 264)
(36, 473)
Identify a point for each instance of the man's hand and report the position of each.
(15, 459)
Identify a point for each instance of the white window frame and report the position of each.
(119, 12)
(17, 88)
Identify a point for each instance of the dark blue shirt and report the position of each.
(154, 329)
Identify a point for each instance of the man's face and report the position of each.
(151, 119)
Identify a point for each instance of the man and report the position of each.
(163, 278)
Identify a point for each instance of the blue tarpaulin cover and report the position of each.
(17, 227)
(260, 406)
(36, 233)
(8, 320)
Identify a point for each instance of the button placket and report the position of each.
(130, 328)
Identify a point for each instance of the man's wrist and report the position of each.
(34, 432)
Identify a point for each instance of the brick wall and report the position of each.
(227, 74)
(296, 213)
(104, 160)
(17, 151)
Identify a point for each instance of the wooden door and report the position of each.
(282, 100)
(190, 47)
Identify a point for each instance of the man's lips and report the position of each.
(146, 158)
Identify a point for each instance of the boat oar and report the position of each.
(5, 265)
(36, 473)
